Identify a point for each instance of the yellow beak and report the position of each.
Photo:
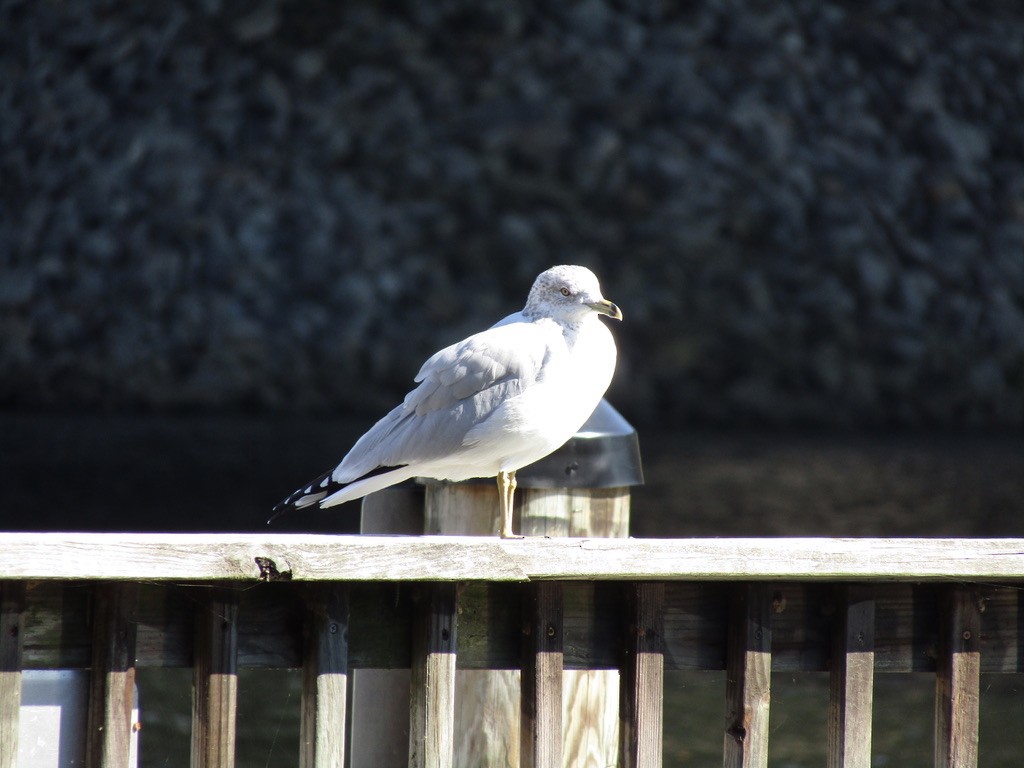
(606, 307)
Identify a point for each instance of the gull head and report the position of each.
(570, 293)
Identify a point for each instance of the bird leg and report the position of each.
(506, 495)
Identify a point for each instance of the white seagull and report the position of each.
(491, 403)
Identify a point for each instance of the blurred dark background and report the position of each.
(230, 232)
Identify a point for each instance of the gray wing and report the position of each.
(459, 387)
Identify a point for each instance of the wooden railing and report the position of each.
(331, 604)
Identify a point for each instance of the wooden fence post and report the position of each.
(487, 708)
(488, 700)
(643, 678)
(958, 679)
(432, 700)
(112, 679)
(215, 686)
(325, 679)
(541, 696)
(851, 678)
(748, 677)
(12, 641)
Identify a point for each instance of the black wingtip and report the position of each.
(282, 508)
(320, 490)
(277, 512)
(312, 488)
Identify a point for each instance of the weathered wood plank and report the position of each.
(541, 693)
(906, 627)
(215, 686)
(748, 677)
(576, 512)
(852, 678)
(325, 679)
(801, 630)
(12, 638)
(958, 680)
(695, 621)
(463, 509)
(112, 679)
(57, 629)
(304, 557)
(642, 680)
(432, 696)
(251, 557)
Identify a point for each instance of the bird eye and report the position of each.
(565, 291)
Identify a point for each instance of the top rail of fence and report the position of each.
(307, 557)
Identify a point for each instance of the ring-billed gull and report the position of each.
(491, 403)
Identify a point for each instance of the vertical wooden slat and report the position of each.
(643, 679)
(215, 686)
(112, 677)
(325, 679)
(958, 679)
(541, 696)
(748, 677)
(852, 678)
(12, 641)
(432, 699)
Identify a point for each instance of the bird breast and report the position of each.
(547, 414)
